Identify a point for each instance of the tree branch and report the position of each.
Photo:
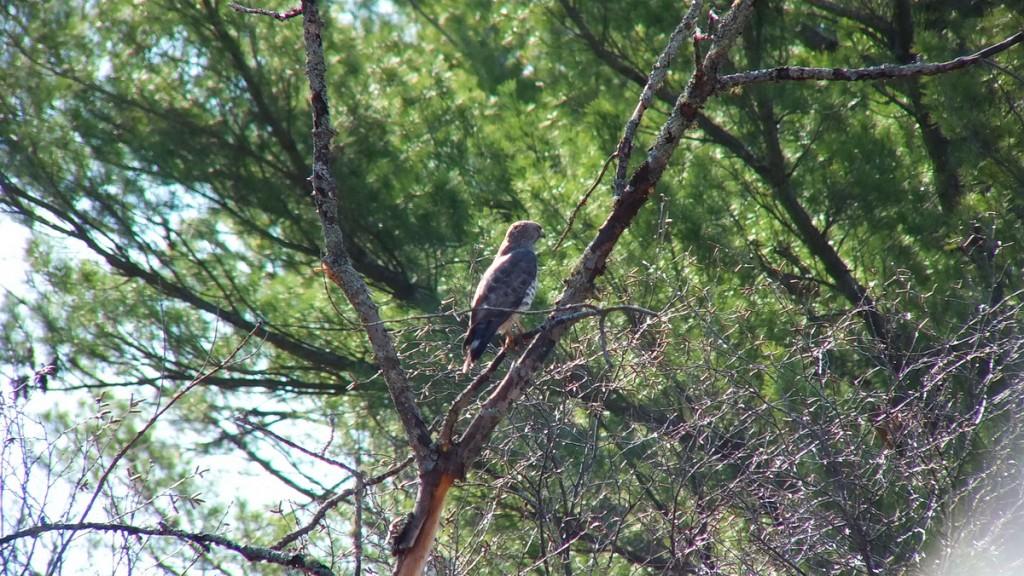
(465, 398)
(336, 259)
(251, 553)
(286, 15)
(654, 82)
(884, 72)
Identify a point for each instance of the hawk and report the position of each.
(506, 288)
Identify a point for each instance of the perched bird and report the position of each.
(506, 288)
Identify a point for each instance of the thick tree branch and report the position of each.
(565, 316)
(884, 72)
(250, 553)
(336, 259)
(655, 80)
(393, 278)
(465, 398)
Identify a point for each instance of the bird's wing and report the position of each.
(507, 285)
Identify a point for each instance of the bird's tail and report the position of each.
(475, 344)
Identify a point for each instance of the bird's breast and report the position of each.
(531, 291)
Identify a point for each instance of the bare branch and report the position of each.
(336, 261)
(338, 498)
(246, 422)
(286, 15)
(251, 553)
(357, 520)
(654, 82)
(462, 401)
(884, 72)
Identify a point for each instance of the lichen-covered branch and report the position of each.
(654, 82)
(285, 15)
(336, 259)
(884, 72)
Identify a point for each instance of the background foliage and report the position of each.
(769, 420)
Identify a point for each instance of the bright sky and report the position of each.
(13, 239)
(227, 474)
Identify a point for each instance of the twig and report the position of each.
(452, 314)
(244, 421)
(357, 521)
(698, 58)
(463, 400)
(286, 15)
(251, 553)
(333, 501)
(602, 338)
(590, 310)
(583, 202)
(138, 436)
(884, 72)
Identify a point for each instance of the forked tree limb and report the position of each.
(439, 468)
(463, 400)
(415, 540)
(655, 80)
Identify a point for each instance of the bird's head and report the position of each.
(522, 234)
